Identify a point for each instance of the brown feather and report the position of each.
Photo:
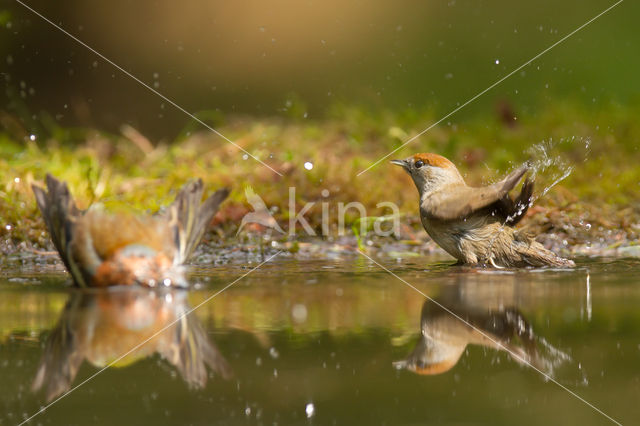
(434, 160)
(189, 218)
(458, 202)
(60, 214)
(111, 232)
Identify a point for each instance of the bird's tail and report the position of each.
(189, 218)
(533, 253)
(59, 212)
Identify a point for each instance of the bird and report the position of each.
(476, 225)
(101, 249)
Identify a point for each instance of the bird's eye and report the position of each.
(418, 164)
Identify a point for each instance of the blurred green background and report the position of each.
(300, 58)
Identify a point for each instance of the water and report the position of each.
(317, 342)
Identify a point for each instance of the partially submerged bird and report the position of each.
(475, 225)
(103, 249)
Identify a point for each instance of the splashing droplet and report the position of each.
(310, 409)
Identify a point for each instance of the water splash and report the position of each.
(549, 358)
(549, 159)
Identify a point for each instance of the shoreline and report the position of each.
(215, 251)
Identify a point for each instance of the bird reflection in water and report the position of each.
(488, 322)
(102, 326)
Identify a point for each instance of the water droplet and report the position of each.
(310, 410)
(299, 312)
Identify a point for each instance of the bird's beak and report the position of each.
(402, 163)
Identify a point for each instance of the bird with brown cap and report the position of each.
(476, 225)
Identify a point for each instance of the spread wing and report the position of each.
(449, 205)
(190, 218)
(60, 212)
(511, 211)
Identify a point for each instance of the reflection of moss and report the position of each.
(23, 315)
(5, 17)
(145, 175)
(345, 305)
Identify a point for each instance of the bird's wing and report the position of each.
(60, 214)
(463, 201)
(511, 211)
(189, 218)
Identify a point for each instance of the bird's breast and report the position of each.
(129, 267)
(444, 234)
(463, 239)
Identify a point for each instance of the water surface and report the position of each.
(327, 342)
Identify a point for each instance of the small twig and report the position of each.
(42, 252)
(137, 138)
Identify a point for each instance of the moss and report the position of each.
(601, 146)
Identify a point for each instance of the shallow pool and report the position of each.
(327, 342)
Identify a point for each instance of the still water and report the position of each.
(327, 342)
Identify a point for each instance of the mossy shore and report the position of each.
(595, 210)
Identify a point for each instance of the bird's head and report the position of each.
(430, 172)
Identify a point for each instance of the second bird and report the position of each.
(103, 249)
